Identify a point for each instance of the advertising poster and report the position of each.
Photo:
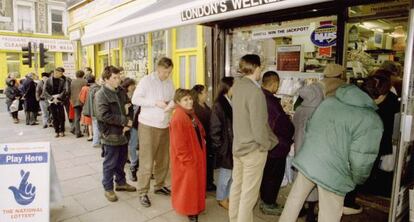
(25, 185)
(288, 58)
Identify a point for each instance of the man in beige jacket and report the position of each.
(253, 138)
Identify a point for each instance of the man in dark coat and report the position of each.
(55, 92)
(31, 106)
(283, 128)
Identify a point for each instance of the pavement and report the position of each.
(79, 168)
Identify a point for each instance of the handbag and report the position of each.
(14, 105)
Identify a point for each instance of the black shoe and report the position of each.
(211, 187)
(144, 200)
(62, 134)
(33, 124)
(72, 131)
(79, 135)
(193, 218)
(133, 175)
(57, 135)
(163, 191)
(45, 126)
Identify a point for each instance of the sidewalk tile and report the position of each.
(120, 212)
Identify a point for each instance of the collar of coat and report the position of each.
(228, 110)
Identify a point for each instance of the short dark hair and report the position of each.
(248, 64)
(181, 93)
(197, 90)
(88, 69)
(45, 74)
(60, 69)
(391, 66)
(80, 74)
(376, 85)
(127, 82)
(270, 77)
(225, 84)
(90, 79)
(165, 62)
(108, 71)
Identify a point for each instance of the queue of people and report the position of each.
(339, 133)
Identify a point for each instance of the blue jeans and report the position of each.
(223, 184)
(132, 149)
(113, 165)
(44, 106)
(96, 133)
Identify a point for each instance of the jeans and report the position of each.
(113, 165)
(223, 184)
(44, 106)
(132, 149)
(272, 179)
(96, 133)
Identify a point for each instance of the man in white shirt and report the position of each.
(154, 94)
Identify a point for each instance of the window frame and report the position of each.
(16, 5)
(49, 18)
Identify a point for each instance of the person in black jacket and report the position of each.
(55, 92)
(221, 133)
(283, 128)
(203, 112)
(31, 106)
(12, 93)
(113, 123)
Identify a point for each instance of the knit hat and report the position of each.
(333, 70)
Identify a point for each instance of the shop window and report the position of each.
(186, 37)
(13, 63)
(135, 56)
(158, 47)
(182, 66)
(193, 70)
(24, 18)
(57, 22)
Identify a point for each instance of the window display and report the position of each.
(159, 48)
(135, 56)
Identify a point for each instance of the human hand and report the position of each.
(161, 104)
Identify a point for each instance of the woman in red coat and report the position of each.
(188, 158)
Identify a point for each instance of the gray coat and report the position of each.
(75, 88)
(250, 119)
(312, 96)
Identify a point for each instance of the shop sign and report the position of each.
(75, 35)
(290, 31)
(324, 36)
(325, 51)
(222, 6)
(379, 8)
(41, 17)
(25, 190)
(53, 45)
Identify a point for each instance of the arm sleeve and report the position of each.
(363, 152)
(140, 95)
(46, 92)
(216, 134)
(179, 141)
(262, 133)
(104, 114)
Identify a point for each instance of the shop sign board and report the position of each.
(288, 31)
(288, 58)
(222, 6)
(324, 36)
(25, 191)
(53, 45)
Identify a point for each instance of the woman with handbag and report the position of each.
(188, 158)
(12, 99)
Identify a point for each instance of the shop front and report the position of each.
(60, 53)
(299, 42)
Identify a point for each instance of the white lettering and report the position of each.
(223, 6)
(237, 4)
(29, 158)
(246, 4)
(13, 159)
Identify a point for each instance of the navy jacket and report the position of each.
(281, 126)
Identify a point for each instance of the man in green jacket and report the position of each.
(341, 143)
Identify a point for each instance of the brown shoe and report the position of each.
(111, 196)
(224, 203)
(125, 187)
